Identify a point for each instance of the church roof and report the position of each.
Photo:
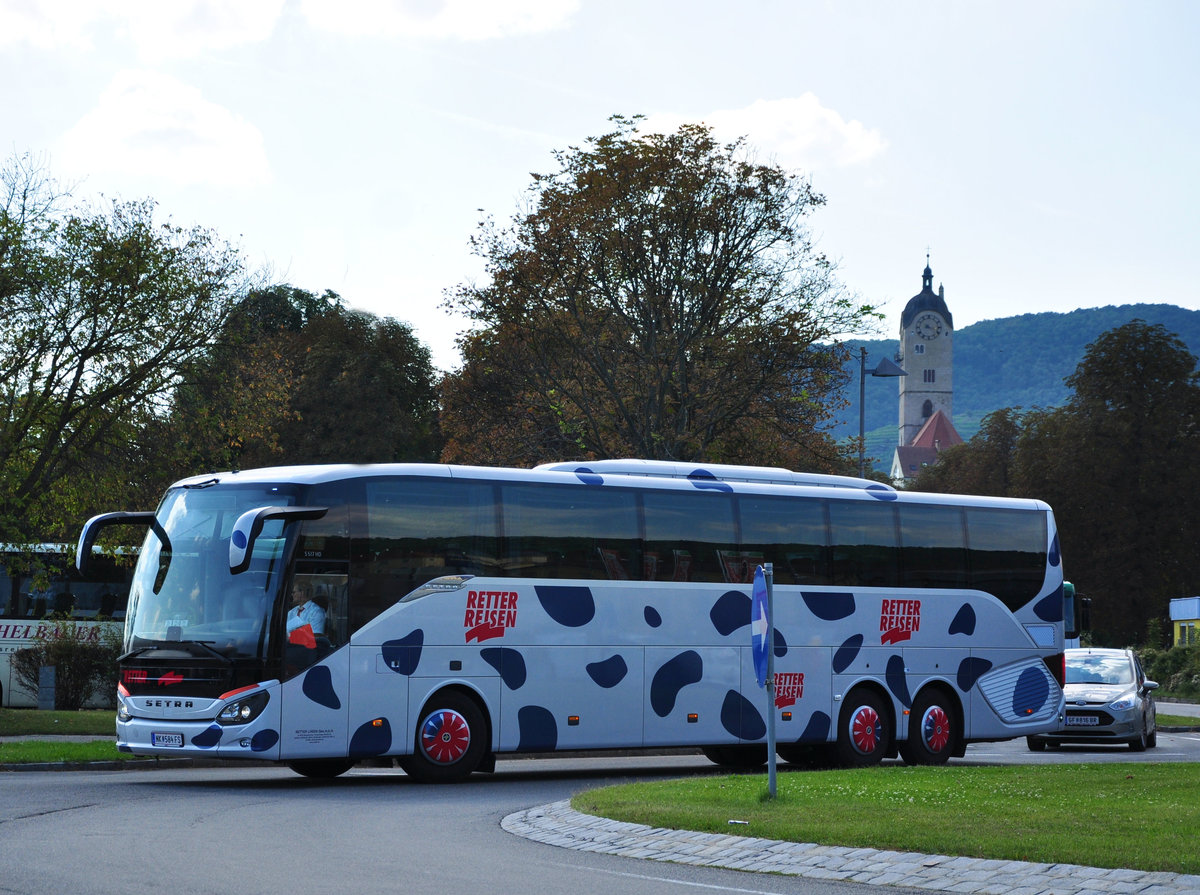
(926, 300)
(938, 433)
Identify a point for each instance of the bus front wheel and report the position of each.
(450, 740)
(864, 733)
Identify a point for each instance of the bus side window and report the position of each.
(689, 532)
(933, 546)
(575, 532)
(791, 534)
(865, 551)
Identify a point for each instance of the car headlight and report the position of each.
(1124, 704)
(243, 710)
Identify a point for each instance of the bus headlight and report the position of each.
(123, 711)
(243, 710)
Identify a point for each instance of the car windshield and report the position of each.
(1089, 668)
(182, 588)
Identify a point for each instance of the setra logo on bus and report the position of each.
(898, 619)
(489, 614)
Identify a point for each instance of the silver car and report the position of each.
(1108, 700)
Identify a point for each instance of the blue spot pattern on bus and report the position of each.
(829, 607)
(970, 670)
(403, 655)
(538, 730)
(847, 653)
(371, 739)
(881, 492)
(571, 607)
(730, 612)
(239, 539)
(653, 619)
(675, 674)
(609, 672)
(1030, 693)
(1050, 608)
(964, 621)
(897, 680)
(817, 729)
(706, 481)
(207, 738)
(1055, 557)
(588, 477)
(740, 718)
(264, 740)
(318, 686)
(509, 664)
(780, 642)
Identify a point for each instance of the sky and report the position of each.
(1042, 152)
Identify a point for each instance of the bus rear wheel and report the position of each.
(864, 733)
(450, 740)
(321, 768)
(932, 730)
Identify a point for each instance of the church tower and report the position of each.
(927, 354)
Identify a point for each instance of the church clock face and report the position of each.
(928, 326)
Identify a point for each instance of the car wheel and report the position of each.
(1035, 744)
(864, 733)
(1138, 743)
(932, 730)
(450, 740)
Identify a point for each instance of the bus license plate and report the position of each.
(1082, 721)
(166, 739)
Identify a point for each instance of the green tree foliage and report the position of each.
(1114, 463)
(100, 312)
(297, 378)
(660, 298)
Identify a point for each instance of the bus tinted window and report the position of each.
(690, 536)
(419, 529)
(790, 533)
(575, 532)
(933, 546)
(864, 544)
(1008, 553)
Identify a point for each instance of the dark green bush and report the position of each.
(84, 668)
(1176, 668)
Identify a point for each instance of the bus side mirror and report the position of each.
(250, 525)
(91, 530)
(1070, 619)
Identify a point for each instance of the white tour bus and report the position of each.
(42, 595)
(470, 612)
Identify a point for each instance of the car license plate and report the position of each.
(1082, 721)
(166, 739)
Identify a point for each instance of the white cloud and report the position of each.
(439, 19)
(796, 132)
(150, 125)
(158, 30)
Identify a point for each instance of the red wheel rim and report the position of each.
(864, 730)
(935, 728)
(445, 736)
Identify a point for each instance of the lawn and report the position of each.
(1139, 816)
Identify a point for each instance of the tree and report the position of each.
(660, 298)
(297, 378)
(100, 312)
(1113, 463)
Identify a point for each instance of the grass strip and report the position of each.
(52, 751)
(31, 722)
(1137, 816)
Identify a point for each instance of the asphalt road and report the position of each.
(251, 829)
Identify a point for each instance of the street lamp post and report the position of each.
(885, 368)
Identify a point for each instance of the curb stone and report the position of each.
(560, 825)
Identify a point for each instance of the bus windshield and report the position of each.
(182, 588)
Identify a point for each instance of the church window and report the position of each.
(919, 348)
(927, 409)
(929, 375)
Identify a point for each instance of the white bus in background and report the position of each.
(42, 593)
(474, 612)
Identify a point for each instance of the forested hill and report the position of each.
(1011, 362)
